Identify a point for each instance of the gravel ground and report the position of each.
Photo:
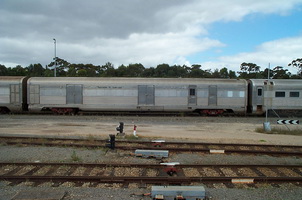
(285, 192)
(56, 154)
(13, 124)
(60, 154)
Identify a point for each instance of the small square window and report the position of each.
(280, 94)
(230, 93)
(259, 92)
(294, 94)
(192, 92)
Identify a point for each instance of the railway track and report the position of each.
(131, 145)
(143, 174)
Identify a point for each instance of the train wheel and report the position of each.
(64, 111)
(212, 112)
(4, 110)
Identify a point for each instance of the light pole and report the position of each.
(55, 58)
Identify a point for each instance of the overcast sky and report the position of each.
(213, 33)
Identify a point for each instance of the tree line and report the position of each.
(66, 69)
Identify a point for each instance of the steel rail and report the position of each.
(132, 141)
(210, 144)
(148, 165)
(206, 149)
(163, 178)
(172, 149)
(154, 180)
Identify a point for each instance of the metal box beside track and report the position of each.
(152, 153)
(182, 192)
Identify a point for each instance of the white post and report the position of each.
(134, 131)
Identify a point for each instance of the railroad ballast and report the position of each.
(65, 95)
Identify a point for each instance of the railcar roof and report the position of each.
(12, 79)
(115, 80)
(276, 82)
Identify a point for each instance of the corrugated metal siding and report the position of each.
(171, 101)
(110, 101)
(4, 94)
(52, 100)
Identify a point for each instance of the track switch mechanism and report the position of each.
(111, 142)
(120, 129)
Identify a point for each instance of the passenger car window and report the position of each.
(294, 94)
(192, 92)
(259, 92)
(280, 94)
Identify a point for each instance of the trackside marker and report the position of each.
(159, 141)
(282, 121)
(134, 130)
(243, 181)
(216, 151)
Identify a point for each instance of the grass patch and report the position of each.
(280, 131)
(131, 137)
(91, 138)
(3, 144)
(75, 157)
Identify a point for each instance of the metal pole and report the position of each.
(266, 124)
(55, 58)
(268, 71)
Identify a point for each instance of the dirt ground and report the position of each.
(201, 129)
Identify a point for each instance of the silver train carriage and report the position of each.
(280, 96)
(72, 94)
(12, 94)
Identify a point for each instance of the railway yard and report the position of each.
(67, 156)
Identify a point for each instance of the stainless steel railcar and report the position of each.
(279, 95)
(209, 96)
(12, 94)
(71, 94)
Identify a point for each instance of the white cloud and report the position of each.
(148, 49)
(278, 53)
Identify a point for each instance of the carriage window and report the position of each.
(259, 92)
(192, 92)
(280, 94)
(294, 94)
(230, 93)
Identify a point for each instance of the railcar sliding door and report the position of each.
(15, 94)
(212, 95)
(146, 95)
(192, 100)
(74, 94)
(259, 99)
